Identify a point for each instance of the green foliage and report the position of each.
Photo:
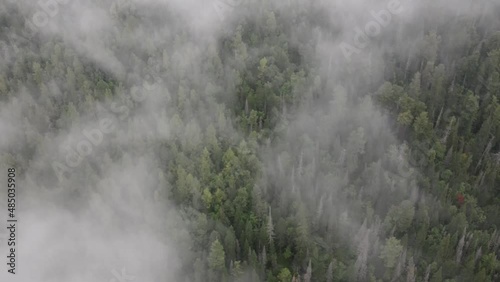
(285, 275)
(400, 217)
(391, 252)
(423, 126)
(216, 256)
(271, 148)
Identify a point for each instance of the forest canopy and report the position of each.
(238, 141)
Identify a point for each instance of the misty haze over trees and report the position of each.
(252, 140)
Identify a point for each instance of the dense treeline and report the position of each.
(288, 168)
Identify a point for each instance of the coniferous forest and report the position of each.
(251, 140)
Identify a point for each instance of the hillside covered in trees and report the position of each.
(251, 141)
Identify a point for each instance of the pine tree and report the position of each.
(308, 274)
(361, 261)
(411, 271)
(460, 248)
(391, 251)
(329, 272)
(216, 257)
(270, 227)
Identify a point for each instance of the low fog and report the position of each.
(96, 181)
